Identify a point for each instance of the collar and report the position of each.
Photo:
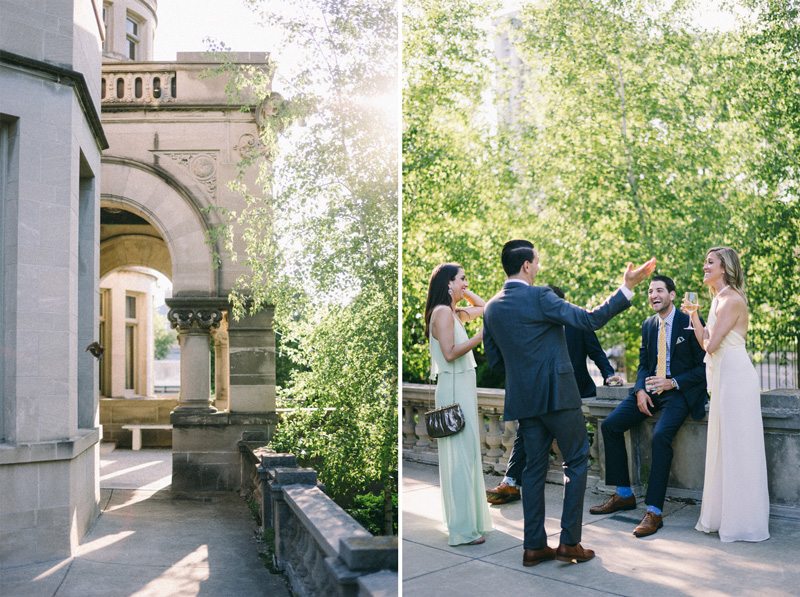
(669, 318)
(516, 281)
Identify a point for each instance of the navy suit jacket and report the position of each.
(582, 344)
(686, 361)
(523, 335)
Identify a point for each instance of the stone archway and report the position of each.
(204, 440)
(173, 211)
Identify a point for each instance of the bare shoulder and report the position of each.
(732, 302)
(441, 312)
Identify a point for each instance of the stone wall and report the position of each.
(780, 410)
(321, 548)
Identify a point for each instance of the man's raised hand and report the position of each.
(635, 276)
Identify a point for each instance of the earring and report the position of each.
(450, 291)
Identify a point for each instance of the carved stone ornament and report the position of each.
(201, 165)
(187, 318)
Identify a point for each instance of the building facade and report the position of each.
(50, 161)
(110, 162)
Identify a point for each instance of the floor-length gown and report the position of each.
(466, 512)
(735, 497)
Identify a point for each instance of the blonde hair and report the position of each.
(732, 271)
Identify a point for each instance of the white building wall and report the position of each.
(49, 490)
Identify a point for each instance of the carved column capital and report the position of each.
(187, 318)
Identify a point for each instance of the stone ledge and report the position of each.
(47, 451)
(378, 584)
(369, 553)
(189, 418)
(322, 518)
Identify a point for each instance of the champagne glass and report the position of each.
(691, 305)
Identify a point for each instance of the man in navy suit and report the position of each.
(581, 344)
(523, 336)
(677, 390)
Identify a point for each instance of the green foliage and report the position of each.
(367, 509)
(164, 337)
(323, 248)
(627, 133)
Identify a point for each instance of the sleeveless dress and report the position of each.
(466, 512)
(735, 497)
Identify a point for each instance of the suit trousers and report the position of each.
(516, 460)
(568, 427)
(674, 409)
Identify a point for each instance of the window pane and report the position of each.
(131, 26)
(130, 333)
(131, 49)
(130, 307)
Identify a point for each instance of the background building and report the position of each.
(70, 218)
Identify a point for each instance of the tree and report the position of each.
(164, 337)
(455, 175)
(323, 249)
(632, 133)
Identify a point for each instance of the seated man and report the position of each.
(672, 379)
(580, 344)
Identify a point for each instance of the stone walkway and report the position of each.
(148, 542)
(675, 561)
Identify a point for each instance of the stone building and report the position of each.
(104, 168)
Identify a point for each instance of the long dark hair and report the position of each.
(438, 287)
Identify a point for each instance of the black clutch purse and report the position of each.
(444, 421)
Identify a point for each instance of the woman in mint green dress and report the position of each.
(466, 513)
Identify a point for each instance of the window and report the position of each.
(130, 307)
(101, 337)
(106, 27)
(130, 342)
(132, 36)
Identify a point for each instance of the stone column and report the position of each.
(221, 364)
(194, 323)
(252, 364)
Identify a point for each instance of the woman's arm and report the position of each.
(442, 324)
(729, 309)
(699, 329)
(474, 310)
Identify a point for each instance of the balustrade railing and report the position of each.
(496, 436)
(139, 87)
(780, 412)
(321, 549)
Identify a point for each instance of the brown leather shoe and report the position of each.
(614, 504)
(649, 525)
(531, 557)
(502, 494)
(573, 553)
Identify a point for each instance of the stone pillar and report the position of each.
(194, 323)
(221, 364)
(205, 441)
(252, 364)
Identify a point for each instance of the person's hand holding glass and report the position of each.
(690, 305)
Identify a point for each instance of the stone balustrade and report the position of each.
(194, 80)
(780, 411)
(147, 87)
(496, 436)
(321, 548)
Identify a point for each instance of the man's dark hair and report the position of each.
(557, 290)
(667, 282)
(515, 253)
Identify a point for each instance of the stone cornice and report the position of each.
(202, 313)
(62, 76)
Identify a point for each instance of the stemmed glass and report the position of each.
(690, 304)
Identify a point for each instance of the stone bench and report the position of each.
(136, 432)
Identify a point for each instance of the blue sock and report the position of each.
(624, 492)
(654, 510)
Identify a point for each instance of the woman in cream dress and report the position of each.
(735, 497)
(460, 469)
